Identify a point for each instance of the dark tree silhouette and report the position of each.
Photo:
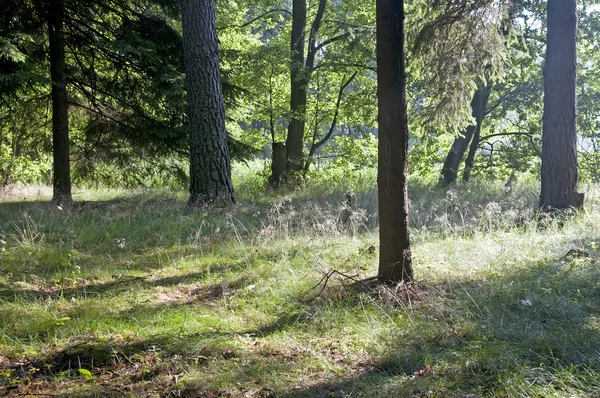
(60, 117)
(559, 136)
(395, 259)
(471, 135)
(210, 169)
(301, 69)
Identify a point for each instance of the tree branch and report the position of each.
(314, 30)
(518, 133)
(320, 143)
(274, 10)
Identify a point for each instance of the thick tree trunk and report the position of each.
(460, 144)
(60, 117)
(559, 136)
(298, 98)
(395, 258)
(210, 169)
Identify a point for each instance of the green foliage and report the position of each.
(127, 94)
(86, 373)
(349, 153)
(454, 47)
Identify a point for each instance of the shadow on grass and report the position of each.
(528, 331)
(533, 330)
(120, 285)
(526, 328)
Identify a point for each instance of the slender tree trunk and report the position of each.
(298, 74)
(395, 258)
(60, 117)
(301, 69)
(480, 102)
(559, 135)
(455, 155)
(210, 169)
(278, 163)
(460, 144)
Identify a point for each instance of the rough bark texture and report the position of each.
(295, 137)
(460, 144)
(559, 137)
(395, 259)
(60, 117)
(210, 169)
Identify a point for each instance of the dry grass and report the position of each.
(272, 298)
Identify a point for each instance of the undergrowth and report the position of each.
(127, 294)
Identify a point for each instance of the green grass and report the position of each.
(159, 302)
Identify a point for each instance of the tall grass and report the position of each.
(127, 294)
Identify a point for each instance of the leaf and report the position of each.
(86, 373)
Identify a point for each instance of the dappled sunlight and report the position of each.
(276, 298)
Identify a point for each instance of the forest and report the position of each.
(299, 198)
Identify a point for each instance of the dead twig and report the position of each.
(342, 276)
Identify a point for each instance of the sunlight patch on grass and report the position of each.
(149, 297)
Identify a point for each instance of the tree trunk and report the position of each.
(460, 144)
(559, 135)
(298, 98)
(60, 117)
(395, 258)
(456, 154)
(480, 101)
(278, 163)
(210, 169)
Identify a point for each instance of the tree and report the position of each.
(329, 42)
(126, 93)
(395, 258)
(210, 169)
(300, 76)
(559, 135)
(60, 117)
(470, 135)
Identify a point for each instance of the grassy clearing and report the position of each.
(128, 295)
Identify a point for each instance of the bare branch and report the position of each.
(250, 22)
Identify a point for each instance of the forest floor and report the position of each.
(129, 295)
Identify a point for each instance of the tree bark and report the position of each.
(210, 169)
(455, 155)
(298, 75)
(395, 258)
(459, 146)
(559, 134)
(60, 117)
(278, 163)
(480, 102)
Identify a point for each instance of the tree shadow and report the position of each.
(525, 329)
(474, 338)
(119, 285)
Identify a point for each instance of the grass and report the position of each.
(129, 295)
